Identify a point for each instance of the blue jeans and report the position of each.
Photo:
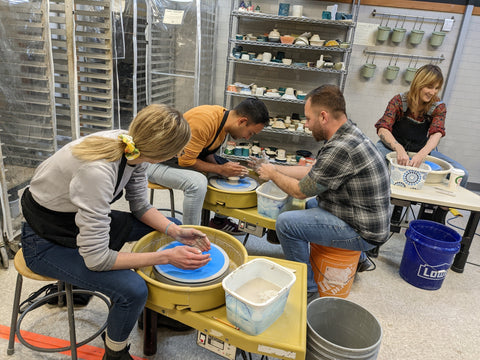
(125, 288)
(385, 150)
(191, 182)
(297, 229)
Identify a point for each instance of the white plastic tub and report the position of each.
(256, 294)
(271, 200)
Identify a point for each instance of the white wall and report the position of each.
(367, 99)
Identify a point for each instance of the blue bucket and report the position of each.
(428, 253)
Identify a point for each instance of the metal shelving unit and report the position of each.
(299, 74)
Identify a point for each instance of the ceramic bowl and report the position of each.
(408, 176)
(287, 39)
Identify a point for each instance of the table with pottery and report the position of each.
(435, 189)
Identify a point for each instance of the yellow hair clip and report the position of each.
(131, 152)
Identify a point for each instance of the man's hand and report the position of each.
(232, 168)
(266, 171)
(256, 162)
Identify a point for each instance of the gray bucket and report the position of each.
(340, 329)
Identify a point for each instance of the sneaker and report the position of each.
(116, 355)
(226, 225)
(366, 265)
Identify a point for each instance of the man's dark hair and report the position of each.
(330, 97)
(254, 110)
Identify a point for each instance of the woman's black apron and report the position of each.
(411, 134)
(60, 227)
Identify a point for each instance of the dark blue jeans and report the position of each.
(125, 288)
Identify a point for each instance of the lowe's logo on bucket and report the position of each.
(427, 272)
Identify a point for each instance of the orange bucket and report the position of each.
(333, 269)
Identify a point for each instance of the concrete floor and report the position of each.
(416, 323)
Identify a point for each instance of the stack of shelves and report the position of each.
(301, 73)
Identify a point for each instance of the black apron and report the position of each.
(205, 152)
(411, 134)
(60, 227)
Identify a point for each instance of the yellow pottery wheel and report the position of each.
(197, 298)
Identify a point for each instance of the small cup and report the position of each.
(289, 91)
(409, 74)
(368, 70)
(383, 32)
(245, 57)
(437, 38)
(297, 10)
(391, 72)
(287, 61)
(456, 176)
(283, 9)
(260, 91)
(398, 35)
(266, 57)
(281, 154)
(238, 151)
(416, 36)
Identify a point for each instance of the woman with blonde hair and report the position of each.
(72, 234)
(415, 121)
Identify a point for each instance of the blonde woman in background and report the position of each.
(415, 121)
(72, 234)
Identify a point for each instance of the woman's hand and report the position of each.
(193, 237)
(402, 157)
(187, 257)
(416, 160)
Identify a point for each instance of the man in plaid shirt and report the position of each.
(350, 183)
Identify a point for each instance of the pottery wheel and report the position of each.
(243, 184)
(215, 268)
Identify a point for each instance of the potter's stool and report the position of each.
(24, 271)
(153, 187)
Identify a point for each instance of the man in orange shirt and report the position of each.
(210, 125)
